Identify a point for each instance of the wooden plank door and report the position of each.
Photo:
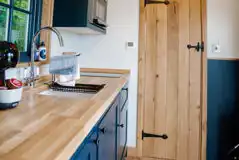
(170, 73)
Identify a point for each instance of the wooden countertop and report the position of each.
(52, 128)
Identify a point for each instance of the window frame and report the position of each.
(35, 14)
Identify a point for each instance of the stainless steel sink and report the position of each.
(50, 92)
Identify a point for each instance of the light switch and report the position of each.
(130, 44)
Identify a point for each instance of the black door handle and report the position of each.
(197, 47)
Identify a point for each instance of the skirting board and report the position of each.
(225, 59)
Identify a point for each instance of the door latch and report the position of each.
(198, 47)
(166, 2)
(149, 135)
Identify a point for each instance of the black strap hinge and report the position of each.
(149, 135)
(166, 2)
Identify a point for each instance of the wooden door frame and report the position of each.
(141, 78)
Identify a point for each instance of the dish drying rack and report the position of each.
(68, 65)
(78, 88)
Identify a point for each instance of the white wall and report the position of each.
(109, 51)
(223, 28)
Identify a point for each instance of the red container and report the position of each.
(14, 83)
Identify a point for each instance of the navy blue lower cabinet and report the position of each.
(107, 134)
(88, 149)
(108, 138)
(122, 137)
(122, 125)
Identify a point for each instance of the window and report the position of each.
(19, 20)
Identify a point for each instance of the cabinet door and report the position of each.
(70, 13)
(107, 135)
(123, 98)
(122, 131)
(122, 124)
(87, 150)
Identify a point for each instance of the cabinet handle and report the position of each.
(120, 125)
(103, 130)
(96, 142)
(127, 96)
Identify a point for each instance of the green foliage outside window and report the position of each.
(3, 22)
(23, 4)
(4, 1)
(20, 20)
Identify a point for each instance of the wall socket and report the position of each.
(216, 48)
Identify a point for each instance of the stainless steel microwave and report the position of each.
(98, 13)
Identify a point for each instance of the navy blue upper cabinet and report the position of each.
(80, 16)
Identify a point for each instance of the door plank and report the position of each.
(172, 80)
(141, 77)
(183, 86)
(195, 81)
(149, 108)
(161, 79)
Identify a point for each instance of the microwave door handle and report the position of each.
(96, 21)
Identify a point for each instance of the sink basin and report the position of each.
(50, 92)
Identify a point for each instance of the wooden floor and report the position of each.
(132, 158)
(137, 158)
